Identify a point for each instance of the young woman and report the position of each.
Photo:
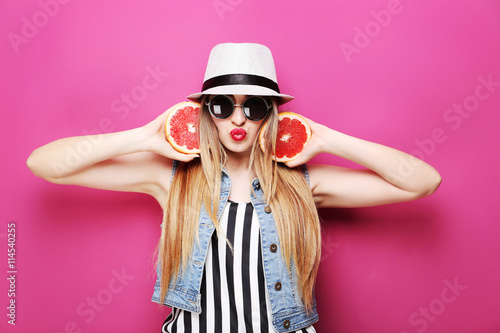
(240, 244)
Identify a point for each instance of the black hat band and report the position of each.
(236, 79)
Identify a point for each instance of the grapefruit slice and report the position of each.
(182, 127)
(293, 134)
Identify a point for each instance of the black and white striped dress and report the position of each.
(233, 294)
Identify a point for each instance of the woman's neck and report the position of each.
(237, 162)
(237, 167)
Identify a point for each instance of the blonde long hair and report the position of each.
(285, 189)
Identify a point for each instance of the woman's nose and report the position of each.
(238, 118)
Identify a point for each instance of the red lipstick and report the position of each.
(238, 134)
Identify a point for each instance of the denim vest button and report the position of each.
(267, 209)
(273, 248)
(277, 286)
(286, 324)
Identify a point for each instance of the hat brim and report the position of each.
(241, 90)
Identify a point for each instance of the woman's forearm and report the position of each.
(396, 167)
(66, 156)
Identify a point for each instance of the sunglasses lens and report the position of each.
(221, 106)
(255, 108)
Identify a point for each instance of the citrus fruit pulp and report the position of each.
(293, 134)
(182, 127)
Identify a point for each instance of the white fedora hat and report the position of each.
(240, 69)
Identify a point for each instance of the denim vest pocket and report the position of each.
(294, 319)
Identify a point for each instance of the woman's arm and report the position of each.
(391, 175)
(137, 160)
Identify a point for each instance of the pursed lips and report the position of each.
(238, 134)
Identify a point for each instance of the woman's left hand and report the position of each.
(314, 146)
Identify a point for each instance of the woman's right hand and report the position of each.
(154, 139)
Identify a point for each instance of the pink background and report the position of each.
(382, 267)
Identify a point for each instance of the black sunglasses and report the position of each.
(254, 108)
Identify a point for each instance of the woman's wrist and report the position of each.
(330, 141)
(349, 147)
(138, 139)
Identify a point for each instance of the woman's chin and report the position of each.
(238, 147)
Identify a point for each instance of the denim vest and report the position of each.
(288, 312)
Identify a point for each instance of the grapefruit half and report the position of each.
(293, 134)
(182, 127)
